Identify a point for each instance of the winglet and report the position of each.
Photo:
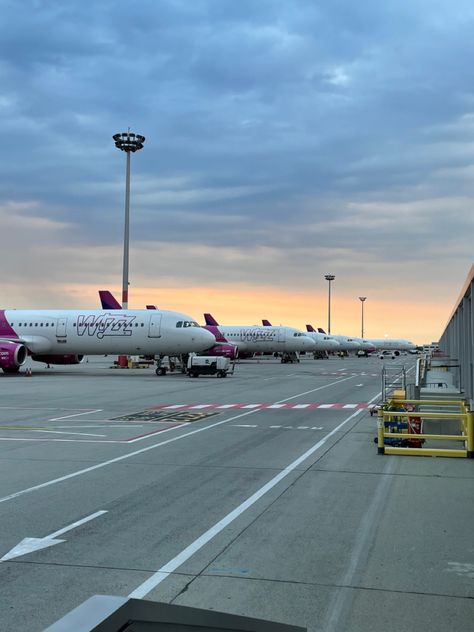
(210, 320)
(310, 328)
(108, 300)
(266, 323)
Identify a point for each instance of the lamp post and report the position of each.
(129, 143)
(362, 299)
(329, 278)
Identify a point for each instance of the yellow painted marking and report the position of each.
(24, 428)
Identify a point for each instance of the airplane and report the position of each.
(65, 336)
(221, 348)
(380, 344)
(392, 344)
(322, 341)
(346, 343)
(253, 339)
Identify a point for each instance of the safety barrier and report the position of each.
(400, 427)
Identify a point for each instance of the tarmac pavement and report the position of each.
(269, 511)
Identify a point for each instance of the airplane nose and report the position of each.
(204, 339)
(334, 344)
(308, 343)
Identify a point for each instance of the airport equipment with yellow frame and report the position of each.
(400, 427)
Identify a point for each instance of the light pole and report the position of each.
(129, 143)
(329, 278)
(362, 299)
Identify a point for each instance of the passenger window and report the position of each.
(179, 323)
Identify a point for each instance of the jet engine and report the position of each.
(67, 358)
(12, 356)
(223, 350)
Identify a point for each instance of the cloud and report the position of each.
(281, 141)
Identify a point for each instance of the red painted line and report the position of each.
(260, 406)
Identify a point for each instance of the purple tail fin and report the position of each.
(151, 306)
(266, 323)
(108, 300)
(310, 328)
(321, 331)
(210, 320)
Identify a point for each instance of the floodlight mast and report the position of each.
(362, 300)
(129, 143)
(329, 278)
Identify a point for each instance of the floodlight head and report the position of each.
(329, 277)
(362, 298)
(128, 141)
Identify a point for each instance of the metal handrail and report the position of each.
(397, 425)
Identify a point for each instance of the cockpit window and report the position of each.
(187, 323)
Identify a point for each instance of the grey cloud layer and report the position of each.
(304, 127)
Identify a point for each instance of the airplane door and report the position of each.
(154, 327)
(281, 334)
(61, 326)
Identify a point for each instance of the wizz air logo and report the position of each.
(104, 325)
(257, 335)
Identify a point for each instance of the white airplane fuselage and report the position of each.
(98, 332)
(392, 344)
(346, 343)
(264, 339)
(324, 342)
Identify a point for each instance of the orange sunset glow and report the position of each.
(243, 305)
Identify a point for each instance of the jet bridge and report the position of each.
(104, 613)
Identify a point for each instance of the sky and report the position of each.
(284, 140)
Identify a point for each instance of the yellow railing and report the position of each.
(400, 427)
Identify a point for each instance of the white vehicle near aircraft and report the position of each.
(65, 336)
(250, 339)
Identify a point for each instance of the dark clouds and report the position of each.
(305, 128)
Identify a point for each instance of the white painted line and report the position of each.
(38, 408)
(199, 406)
(227, 406)
(161, 574)
(173, 406)
(350, 406)
(317, 428)
(301, 405)
(245, 426)
(89, 412)
(252, 406)
(359, 385)
(275, 406)
(108, 426)
(82, 434)
(118, 459)
(302, 427)
(28, 545)
(274, 426)
(77, 524)
(45, 440)
(325, 405)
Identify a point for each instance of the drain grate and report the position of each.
(167, 416)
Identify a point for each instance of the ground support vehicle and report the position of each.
(208, 365)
